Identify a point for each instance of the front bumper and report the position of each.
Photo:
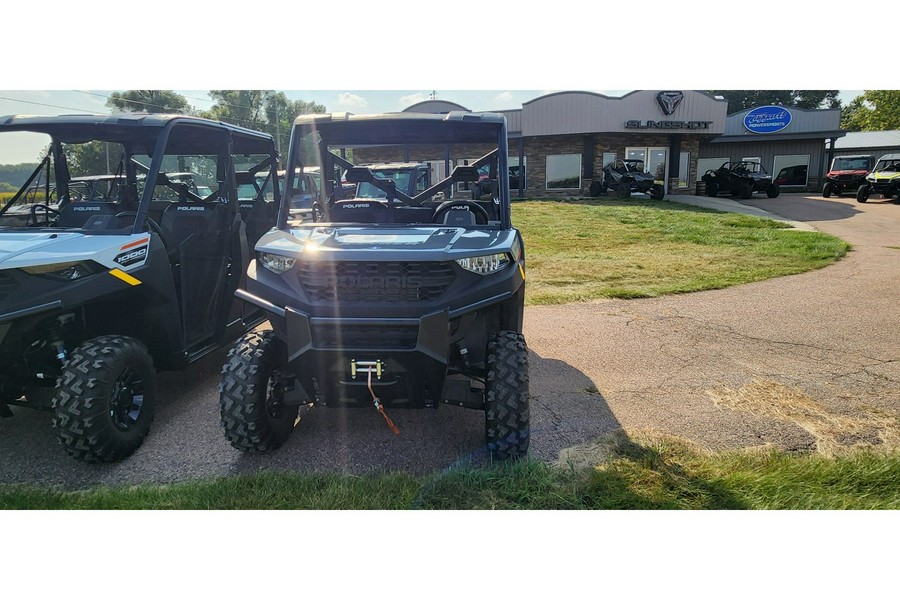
(412, 354)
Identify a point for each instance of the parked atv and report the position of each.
(847, 173)
(626, 177)
(396, 301)
(741, 178)
(884, 179)
(97, 294)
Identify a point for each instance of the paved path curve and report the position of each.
(798, 362)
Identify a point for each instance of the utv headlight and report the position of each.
(275, 262)
(67, 271)
(484, 265)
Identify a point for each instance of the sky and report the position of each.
(19, 148)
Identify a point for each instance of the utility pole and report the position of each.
(277, 129)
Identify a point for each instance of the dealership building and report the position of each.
(558, 143)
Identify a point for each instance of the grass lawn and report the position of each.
(589, 249)
(636, 474)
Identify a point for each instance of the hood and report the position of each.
(883, 175)
(14, 244)
(858, 172)
(316, 242)
(26, 249)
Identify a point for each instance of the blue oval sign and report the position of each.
(767, 119)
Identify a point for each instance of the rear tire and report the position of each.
(773, 190)
(507, 414)
(253, 415)
(657, 192)
(862, 194)
(826, 191)
(623, 191)
(105, 399)
(712, 189)
(596, 189)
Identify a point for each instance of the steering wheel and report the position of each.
(47, 212)
(149, 224)
(481, 215)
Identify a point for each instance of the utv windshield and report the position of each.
(850, 164)
(369, 190)
(890, 165)
(455, 159)
(33, 194)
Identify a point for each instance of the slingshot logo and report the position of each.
(669, 101)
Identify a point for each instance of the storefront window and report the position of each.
(791, 169)
(709, 164)
(563, 171)
(514, 170)
(684, 169)
(608, 157)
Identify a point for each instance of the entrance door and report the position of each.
(655, 162)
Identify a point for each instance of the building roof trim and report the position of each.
(604, 96)
(438, 101)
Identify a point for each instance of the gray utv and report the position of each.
(406, 300)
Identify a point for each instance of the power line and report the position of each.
(141, 102)
(82, 110)
(214, 102)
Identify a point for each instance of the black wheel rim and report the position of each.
(127, 399)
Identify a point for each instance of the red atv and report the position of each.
(846, 174)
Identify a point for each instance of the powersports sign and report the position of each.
(767, 119)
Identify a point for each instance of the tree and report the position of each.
(238, 107)
(281, 110)
(151, 101)
(263, 110)
(739, 100)
(875, 110)
(92, 158)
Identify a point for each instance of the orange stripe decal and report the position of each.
(133, 244)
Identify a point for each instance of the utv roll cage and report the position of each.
(139, 134)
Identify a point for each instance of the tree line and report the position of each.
(261, 110)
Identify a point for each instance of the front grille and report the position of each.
(362, 336)
(7, 285)
(847, 177)
(375, 281)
